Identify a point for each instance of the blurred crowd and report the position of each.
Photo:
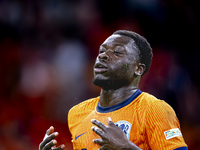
(47, 52)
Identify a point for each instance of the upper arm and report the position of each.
(162, 127)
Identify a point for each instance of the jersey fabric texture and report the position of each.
(147, 122)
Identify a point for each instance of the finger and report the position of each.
(98, 141)
(53, 147)
(50, 130)
(101, 148)
(50, 145)
(110, 122)
(47, 139)
(61, 147)
(98, 131)
(51, 137)
(99, 124)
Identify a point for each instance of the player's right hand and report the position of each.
(49, 142)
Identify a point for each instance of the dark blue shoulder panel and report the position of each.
(181, 148)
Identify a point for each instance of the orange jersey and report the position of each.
(147, 122)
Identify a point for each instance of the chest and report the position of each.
(129, 121)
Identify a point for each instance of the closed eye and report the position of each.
(100, 52)
(117, 53)
(119, 50)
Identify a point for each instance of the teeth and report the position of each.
(99, 66)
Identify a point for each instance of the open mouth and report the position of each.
(99, 68)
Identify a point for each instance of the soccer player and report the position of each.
(122, 117)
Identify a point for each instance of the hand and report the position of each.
(48, 142)
(112, 137)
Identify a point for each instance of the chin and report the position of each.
(108, 84)
(101, 82)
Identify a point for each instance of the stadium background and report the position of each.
(47, 51)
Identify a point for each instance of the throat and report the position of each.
(110, 98)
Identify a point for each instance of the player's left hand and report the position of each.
(112, 137)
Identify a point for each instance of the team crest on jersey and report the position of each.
(125, 126)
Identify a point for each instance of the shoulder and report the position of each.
(158, 110)
(155, 108)
(162, 123)
(155, 103)
(83, 107)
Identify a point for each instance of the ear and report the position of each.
(140, 69)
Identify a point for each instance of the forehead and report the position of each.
(118, 39)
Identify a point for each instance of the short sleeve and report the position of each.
(162, 127)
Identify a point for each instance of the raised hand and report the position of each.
(49, 142)
(112, 137)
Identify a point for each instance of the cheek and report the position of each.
(129, 69)
(123, 70)
(123, 67)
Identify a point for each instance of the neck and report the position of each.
(115, 96)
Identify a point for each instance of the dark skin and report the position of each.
(117, 71)
(117, 56)
(49, 141)
(112, 137)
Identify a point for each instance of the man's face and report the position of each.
(116, 63)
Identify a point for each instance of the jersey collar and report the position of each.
(118, 106)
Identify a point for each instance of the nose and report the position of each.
(103, 56)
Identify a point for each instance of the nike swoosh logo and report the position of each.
(76, 137)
